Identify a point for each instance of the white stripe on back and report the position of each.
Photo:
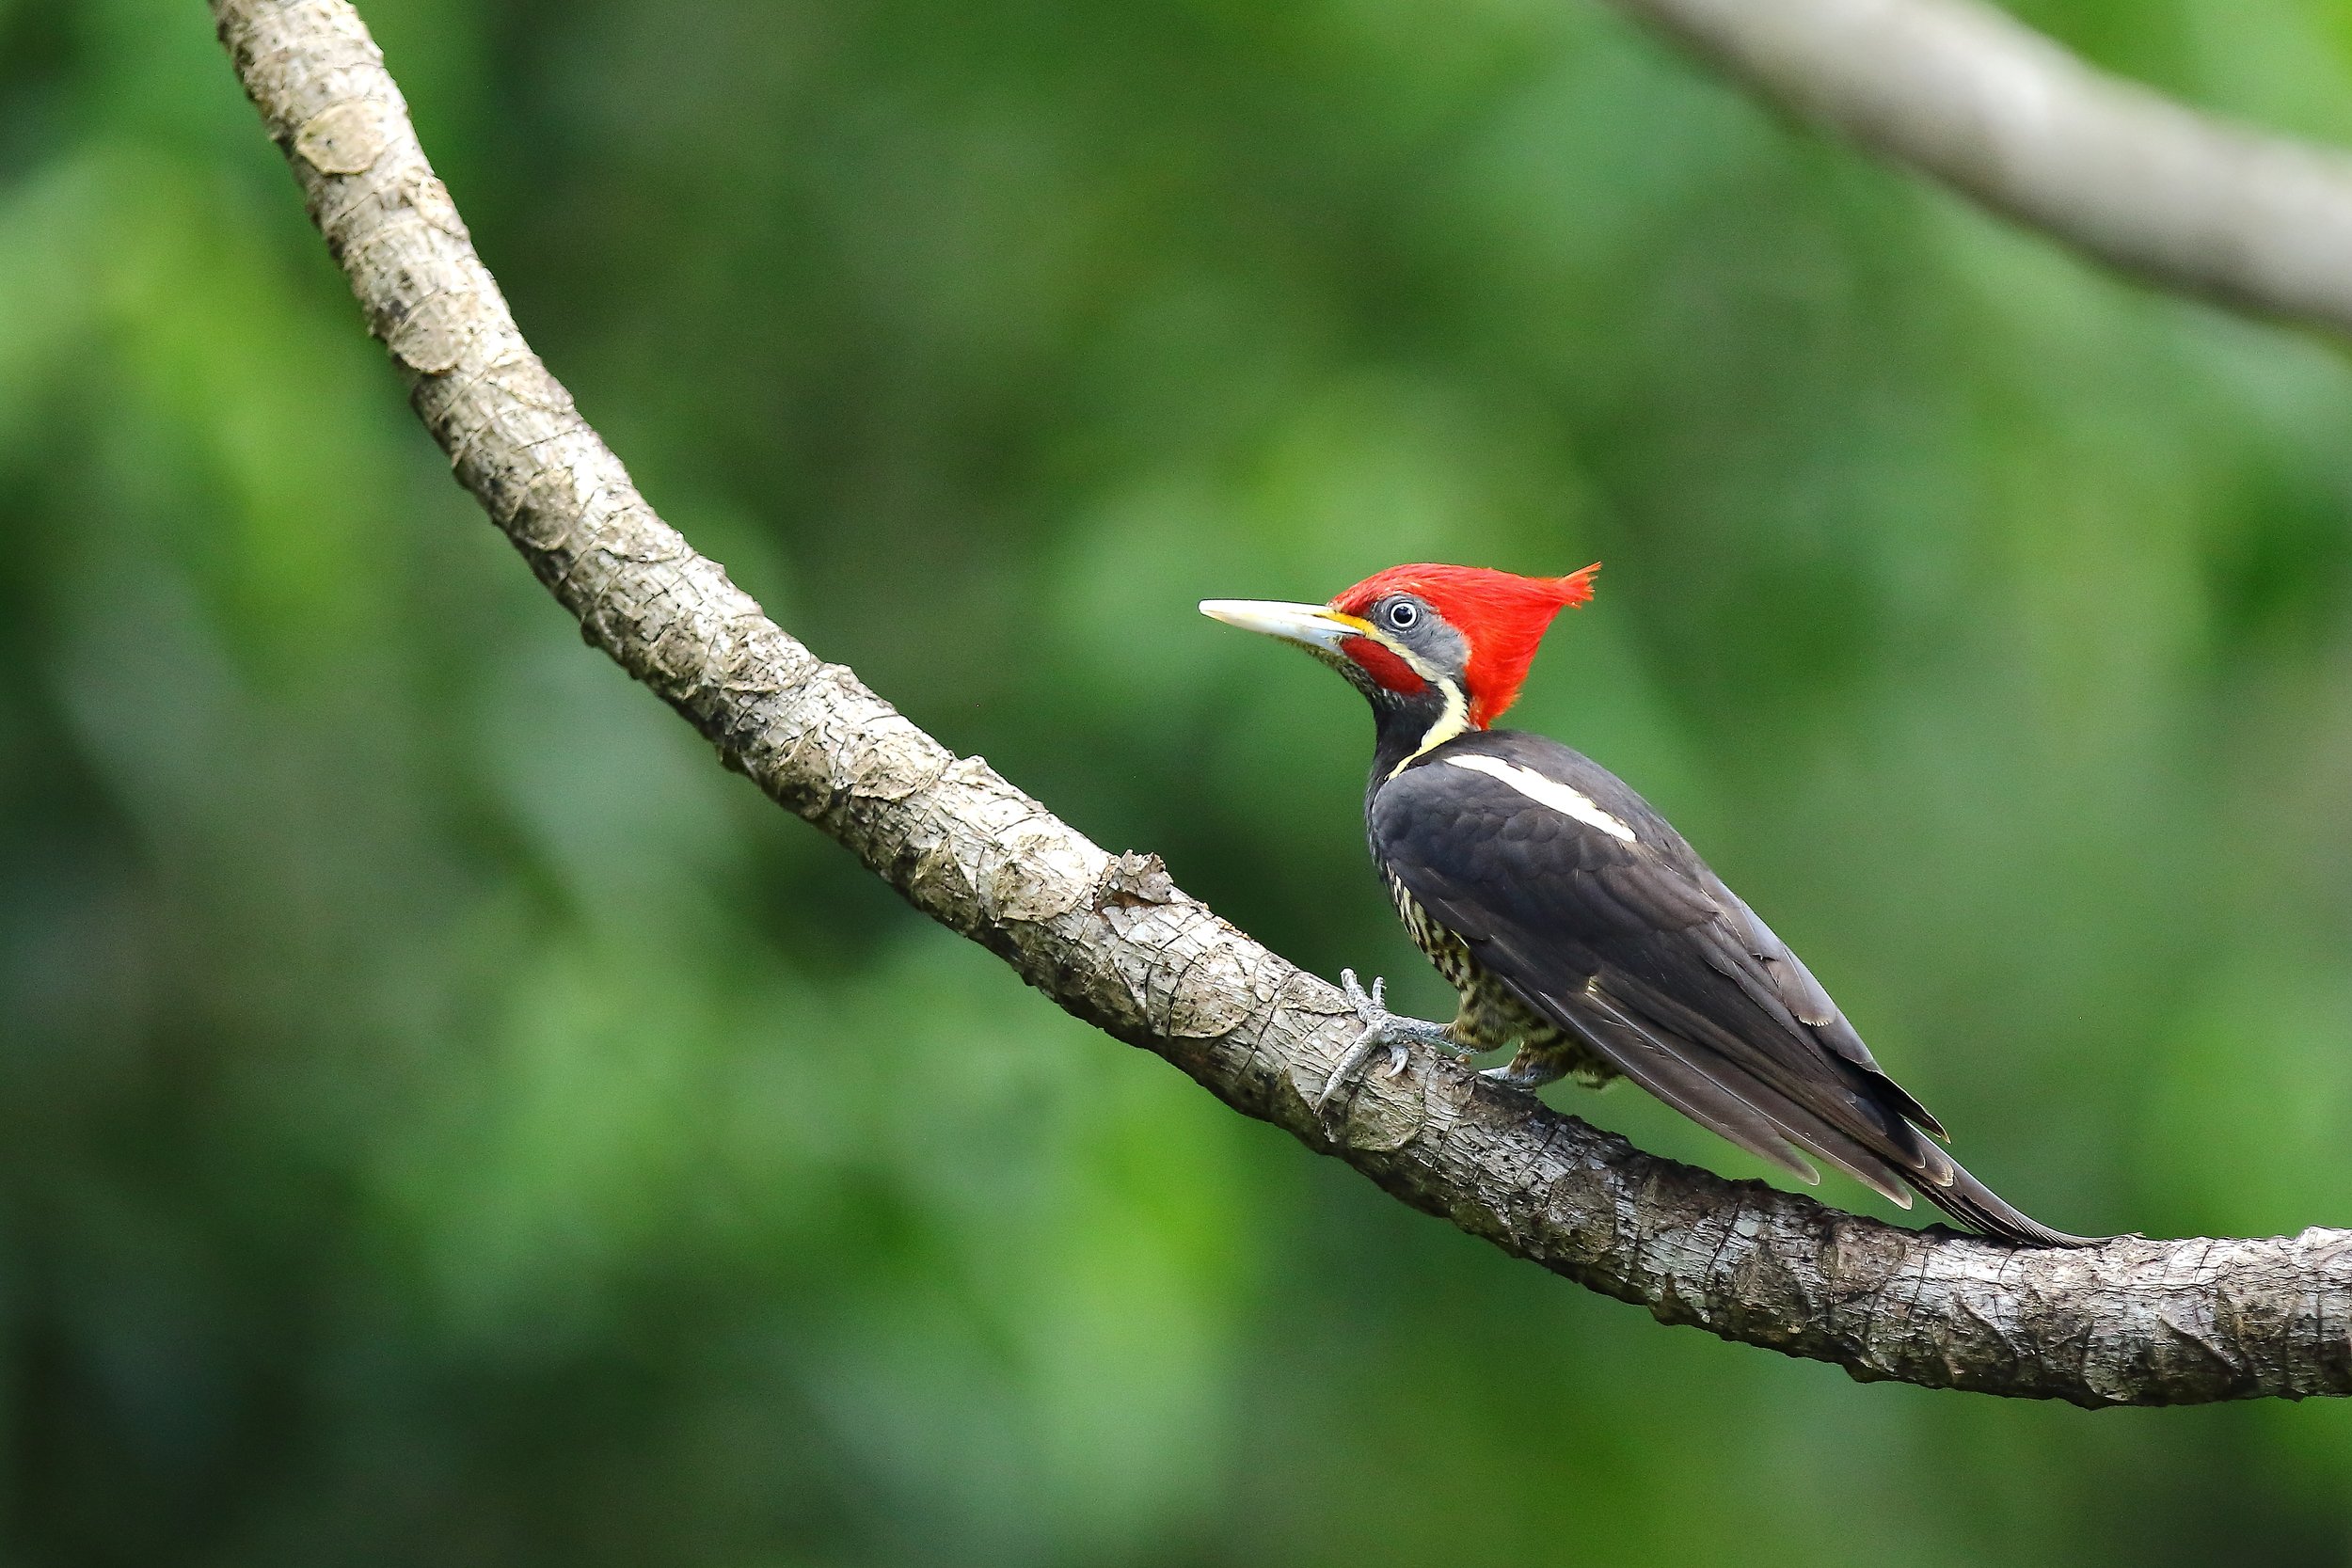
(1547, 792)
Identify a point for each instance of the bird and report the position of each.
(1573, 921)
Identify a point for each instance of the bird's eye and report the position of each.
(1403, 615)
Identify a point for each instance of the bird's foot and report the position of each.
(1529, 1070)
(1383, 1031)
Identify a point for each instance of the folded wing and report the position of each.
(1590, 907)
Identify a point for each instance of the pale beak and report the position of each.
(1310, 625)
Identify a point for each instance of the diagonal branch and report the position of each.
(1960, 91)
(1112, 941)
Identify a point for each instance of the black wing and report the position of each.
(1600, 917)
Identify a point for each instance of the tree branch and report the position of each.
(1113, 941)
(1966, 94)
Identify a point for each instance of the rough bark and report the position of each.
(1964, 93)
(1108, 938)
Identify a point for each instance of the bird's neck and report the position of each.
(1406, 727)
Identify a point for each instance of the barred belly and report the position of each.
(1491, 1016)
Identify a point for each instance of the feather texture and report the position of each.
(1628, 944)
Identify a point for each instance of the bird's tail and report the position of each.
(1979, 1208)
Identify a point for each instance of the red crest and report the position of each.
(1504, 617)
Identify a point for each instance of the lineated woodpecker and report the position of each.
(1572, 919)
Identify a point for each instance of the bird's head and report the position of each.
(1457, 639)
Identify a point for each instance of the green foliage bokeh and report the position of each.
(446, 1119)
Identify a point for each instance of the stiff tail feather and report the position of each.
(1981, 1209)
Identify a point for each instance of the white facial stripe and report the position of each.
(1412, 661)
(1547, 792)
(1453, 722)
(1454, 718)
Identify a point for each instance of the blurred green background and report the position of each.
(446, 1119)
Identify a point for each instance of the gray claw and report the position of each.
(1528, 1071)
(1383, 1029)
